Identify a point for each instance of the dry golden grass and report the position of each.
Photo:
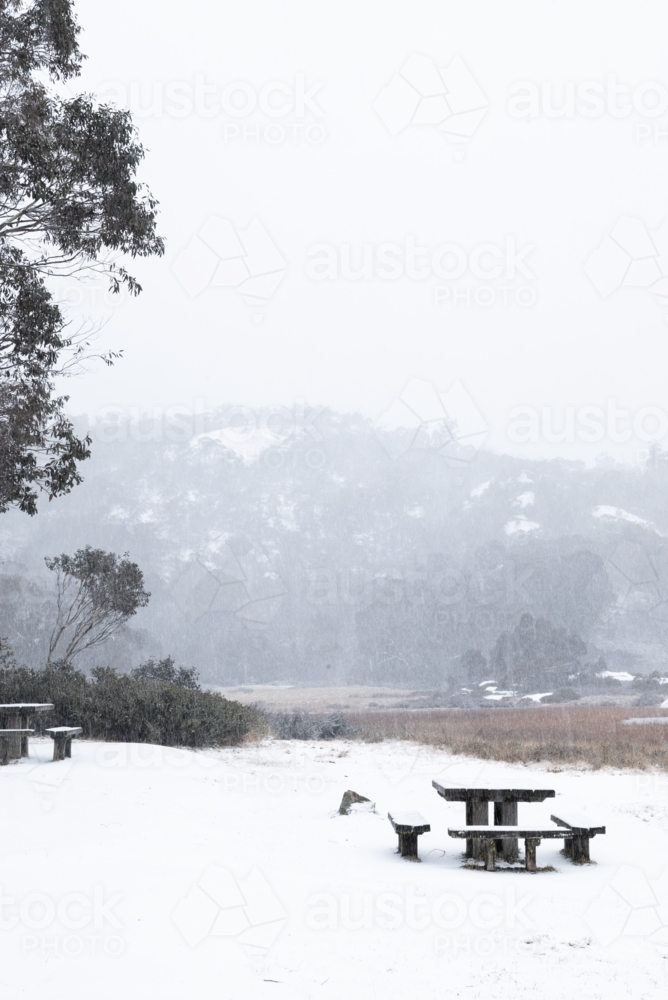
(560, 734)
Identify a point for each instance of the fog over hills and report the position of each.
(312, 548)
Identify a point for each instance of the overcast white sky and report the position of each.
(329, 171)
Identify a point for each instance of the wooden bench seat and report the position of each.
(577, 847)
(7, 737)
(408, 826)
(488, 835)
(62, 740)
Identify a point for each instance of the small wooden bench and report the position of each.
(62, 740)
(7, 737)
(408, 826)
(488, 835)
(577, 847)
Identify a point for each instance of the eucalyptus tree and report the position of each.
(96, 593)
(70, 204)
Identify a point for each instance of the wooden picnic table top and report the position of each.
(494, 794)
(73, 730)
(31, 706)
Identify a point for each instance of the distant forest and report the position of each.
(316, 551)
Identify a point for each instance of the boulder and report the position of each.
(349, 799)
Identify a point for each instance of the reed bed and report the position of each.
(593, 735)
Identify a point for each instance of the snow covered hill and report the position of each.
(324, 560)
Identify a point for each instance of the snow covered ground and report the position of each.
(137, 871)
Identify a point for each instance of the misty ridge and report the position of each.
(305, 546)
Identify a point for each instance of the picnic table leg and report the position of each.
(580, 849)
(68, 751)
(477, 814)
(25, 737)
(58, 747)
(505, 814)
(530, 845)
(4, 750)
(14, 722)
(489, 848)
(407, 844)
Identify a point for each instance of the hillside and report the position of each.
(316, 550)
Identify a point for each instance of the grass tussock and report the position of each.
(591, 735)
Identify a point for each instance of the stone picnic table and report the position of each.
(17, 717)
(505, 811)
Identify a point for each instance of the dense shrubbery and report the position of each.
(164, 670)
(140, 709)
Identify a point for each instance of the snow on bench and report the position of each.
(62, 740)
(8, 737)
(490, 834)
(408, 826)
(577, 848)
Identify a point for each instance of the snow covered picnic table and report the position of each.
(16, 717)
(505, 811)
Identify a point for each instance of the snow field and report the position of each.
(137, 871)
